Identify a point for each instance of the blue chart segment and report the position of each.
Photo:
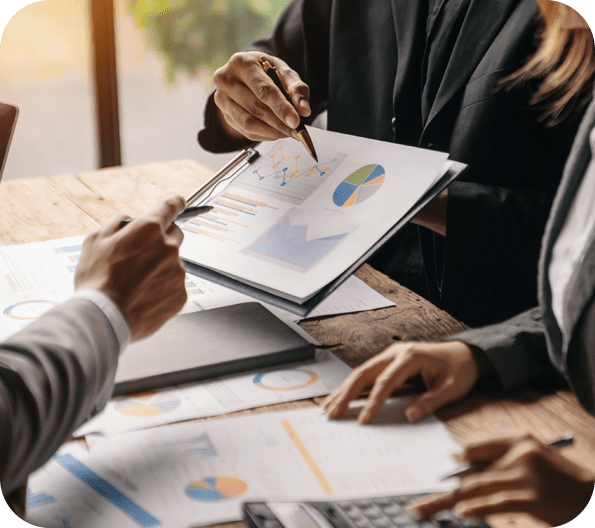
(359, 186)
(289, 243)
(105, 489)
(216, 489)
(35, 500)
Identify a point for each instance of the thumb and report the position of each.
(427, 403)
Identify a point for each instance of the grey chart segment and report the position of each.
(291, 240)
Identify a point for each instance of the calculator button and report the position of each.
(384, 501)
(383, 522)
(393, 509)
(363, 503)
(363, 523)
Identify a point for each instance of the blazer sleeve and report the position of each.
(53, 375)
(301, 39)
(516, 348)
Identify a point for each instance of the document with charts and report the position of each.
(289, 226)
(197, 474)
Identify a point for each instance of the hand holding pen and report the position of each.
(520, 474)
(250, 103)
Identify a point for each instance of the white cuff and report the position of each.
(111, 311)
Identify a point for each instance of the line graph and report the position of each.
(286, 174)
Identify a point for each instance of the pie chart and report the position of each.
(285, 380)
(216, 489)
(359, 186)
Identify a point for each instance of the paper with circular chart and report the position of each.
(198, 474)
(289, 225)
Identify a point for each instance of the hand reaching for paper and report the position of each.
(523, 475)
(251, 106)
(449, 370)
(138, 267)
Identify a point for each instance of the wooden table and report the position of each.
(67, 205)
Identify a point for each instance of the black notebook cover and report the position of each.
(208, 344)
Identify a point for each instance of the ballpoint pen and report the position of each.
(186, 214)
(302, 133)
(565, 440)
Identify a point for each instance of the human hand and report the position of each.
(250, 104)
(522, 475)
(138, 267)
(434, 215)
(449, 371)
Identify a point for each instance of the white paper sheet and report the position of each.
(35, 277)
(292, 382)
(290, 226)
(75, 490)
(199, 473)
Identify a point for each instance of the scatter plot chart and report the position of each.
(359, 186)
(216, 489)
(287, 174)
(299, 241)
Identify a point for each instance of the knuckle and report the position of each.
(263, 91)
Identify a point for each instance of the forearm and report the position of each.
(53, 374)
(515, 350)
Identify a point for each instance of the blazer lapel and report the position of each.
(576, 166)
(482, 24)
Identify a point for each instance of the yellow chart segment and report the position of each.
(303, 451)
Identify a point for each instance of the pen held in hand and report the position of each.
(302, 133)
(186, 214)
(566, 440)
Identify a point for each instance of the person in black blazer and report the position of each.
(426, 74)
(553, 342)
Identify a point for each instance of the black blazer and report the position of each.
(363, 61)
(532, 345)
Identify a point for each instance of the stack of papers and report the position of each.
(199, 473)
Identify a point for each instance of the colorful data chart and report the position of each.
(147, 404)
(285, 380)
(216, 489)
(35, 500)
(130, 508)
(28, 310)
(359, 186)
(287, 173)
(288, 242)
(228, 219)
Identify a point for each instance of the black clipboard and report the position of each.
(238, 165)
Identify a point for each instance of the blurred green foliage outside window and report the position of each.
(194, 34)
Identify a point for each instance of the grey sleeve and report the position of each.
(53, 375)
(516, 348)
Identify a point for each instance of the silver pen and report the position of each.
(566, 440)
(186, 214)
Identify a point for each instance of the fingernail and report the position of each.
(292, 121)
(458, 457)
(413, 414)
(303, 104)
(414, 512)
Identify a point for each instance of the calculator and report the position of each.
(379, 512)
